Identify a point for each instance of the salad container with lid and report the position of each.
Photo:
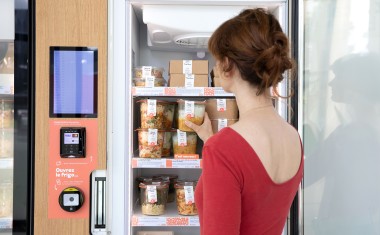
(185, 197)
(156, 113)
(193, 111)
(150, 143)
(153, 197)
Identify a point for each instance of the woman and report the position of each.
(252, 169)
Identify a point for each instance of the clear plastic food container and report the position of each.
(222, 108)
(156, 114)
(193, 111)
(150, 143)
(218, 124)
(184, 142)
(185, 197)
(143, 82)
(143, 71)
(153, 197)
(172, 179)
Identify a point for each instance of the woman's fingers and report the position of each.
(204, 131)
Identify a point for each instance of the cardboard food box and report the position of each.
(183, 80)
(222, 108)
(188, 67)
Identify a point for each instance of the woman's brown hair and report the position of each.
(256, 44)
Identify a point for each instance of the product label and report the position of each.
(181, 138)
(149, 81)
(151, 108)
(189, 80)
(189, 194)
(189, 108)
(221, 105)
(146, 71)
(222, 123)
(152, 193)
(152, 136)
(187, 67)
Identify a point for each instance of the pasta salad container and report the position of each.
(150, 142)
(156, 113)
(185, 197)
(184, 142)
(190, 110)
(146, 71)
(153, 197)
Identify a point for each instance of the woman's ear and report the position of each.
(227, 63)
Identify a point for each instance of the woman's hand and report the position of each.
(204, 131)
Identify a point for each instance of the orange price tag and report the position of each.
(209, 91)
(186, 156)
(170, 91)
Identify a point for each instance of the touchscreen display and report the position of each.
(71, 138)
(73, 82)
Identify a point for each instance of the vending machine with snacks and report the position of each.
(161, 75)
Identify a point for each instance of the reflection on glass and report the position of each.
(6, 134)
(341, 118)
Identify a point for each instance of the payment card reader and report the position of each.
(73, 142)
(71, 199)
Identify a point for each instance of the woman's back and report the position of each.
(276, 145)
(252, 202)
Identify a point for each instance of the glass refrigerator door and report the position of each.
(6, 133)
(341, 110)
(15, 107)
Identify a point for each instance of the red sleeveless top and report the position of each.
(235, 195)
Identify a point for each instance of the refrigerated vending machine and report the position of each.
(158, 66)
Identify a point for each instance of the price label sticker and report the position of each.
(152, 193)
(152, 137)
(189, 80)
(181, 138)
(189, 194)
(222, 123)
(186, 163)
(221, 105)
(152, 104)
(151, 221)
(187, 66)
(189, 109)
(193, 221)
(149, 81)
(146, 71)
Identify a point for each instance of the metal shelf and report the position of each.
(181, 91)
(166, 163)
(170, 218)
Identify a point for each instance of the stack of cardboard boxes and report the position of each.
(188, 73)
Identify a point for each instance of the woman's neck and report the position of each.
(247, 99)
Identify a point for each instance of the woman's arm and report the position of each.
(221, 194)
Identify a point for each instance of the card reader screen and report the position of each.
(71, 138)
